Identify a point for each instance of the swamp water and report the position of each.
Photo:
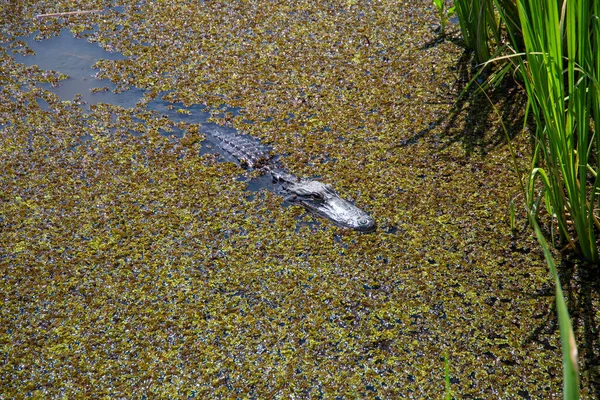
(75, 58)
(163, 289)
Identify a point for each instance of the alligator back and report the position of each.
(316, 197)
(248, 151)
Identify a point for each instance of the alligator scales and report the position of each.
(316, 197)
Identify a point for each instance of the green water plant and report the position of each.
(448, 392)
(479, 25)
(567, 337)
(513, 216)
(560, 72)
(444, 14)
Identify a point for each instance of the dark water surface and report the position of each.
(75, 57)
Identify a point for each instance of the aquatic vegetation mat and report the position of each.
(131, 265)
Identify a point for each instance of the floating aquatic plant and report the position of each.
(135, 266)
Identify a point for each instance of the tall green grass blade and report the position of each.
(447, 377)
(567, 337)
(513, 216)
(478, 24)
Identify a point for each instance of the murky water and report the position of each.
(75, 58)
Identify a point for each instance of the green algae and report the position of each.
(133, 266)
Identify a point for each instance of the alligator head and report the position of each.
(322, 200)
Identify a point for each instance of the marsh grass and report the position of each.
(555, 47)
(560, 72)
(479, 26)
(554, 109)
(567, 337)
(448, 392)
(563, 98)
(444, 14)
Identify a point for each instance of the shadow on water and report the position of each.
(581, 285)
(505, 102)
(581, 281)
(482, 132)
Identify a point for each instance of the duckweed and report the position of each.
(132, 265)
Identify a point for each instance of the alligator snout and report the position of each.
(322, 200)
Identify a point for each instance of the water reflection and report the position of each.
(75, 57)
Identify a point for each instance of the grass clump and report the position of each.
(555, 48)
(564, 102)
(560, 71)
(479, 26)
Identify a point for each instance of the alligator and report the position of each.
(316, 197)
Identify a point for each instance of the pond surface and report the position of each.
(138, 265)
(76, 58)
